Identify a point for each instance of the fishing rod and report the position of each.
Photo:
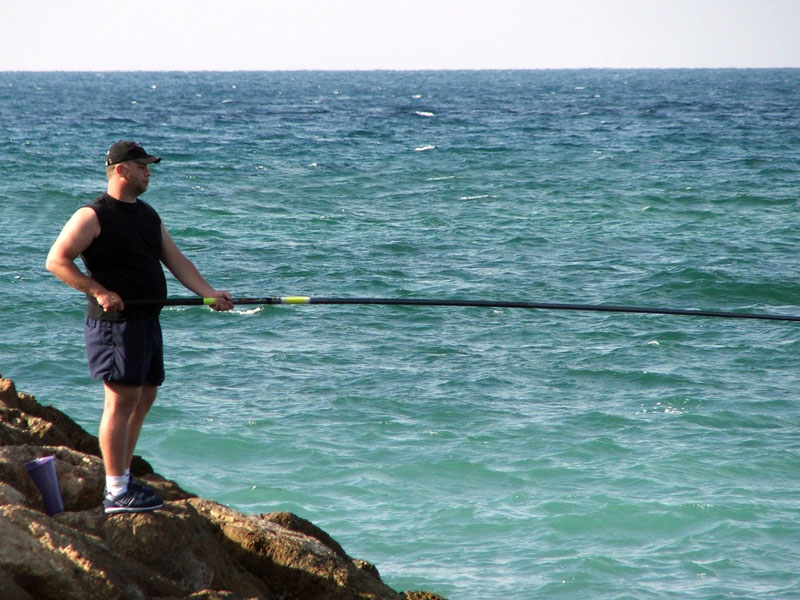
(198, 301)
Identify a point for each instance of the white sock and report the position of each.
(116, 484)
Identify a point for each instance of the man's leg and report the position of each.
(123, 413)
(135, 421)
(120, 405)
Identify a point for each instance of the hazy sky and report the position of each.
(389, 34)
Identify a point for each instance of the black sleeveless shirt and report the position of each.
(126, 257)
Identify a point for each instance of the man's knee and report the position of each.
(122, 397)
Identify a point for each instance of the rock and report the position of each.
(192, 548)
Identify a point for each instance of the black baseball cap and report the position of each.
(123, 151)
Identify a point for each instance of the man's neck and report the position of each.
(118, 192)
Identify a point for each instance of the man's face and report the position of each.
(137, 176)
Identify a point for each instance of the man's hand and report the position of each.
(109, 301)
(224, 300)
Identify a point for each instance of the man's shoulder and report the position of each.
(147, 209)
(106, 202)
(84, 222)
(100, 201)
(145, 205)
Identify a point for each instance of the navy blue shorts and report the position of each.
(129, 352)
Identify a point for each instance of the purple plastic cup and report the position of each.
(43, 472)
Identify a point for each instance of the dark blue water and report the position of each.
(478, 453)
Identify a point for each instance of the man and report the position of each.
(122, 243)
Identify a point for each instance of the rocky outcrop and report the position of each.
(192, 548)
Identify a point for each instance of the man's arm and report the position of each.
(185, 271)
(75, 237)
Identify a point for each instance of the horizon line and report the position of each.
(399, 70)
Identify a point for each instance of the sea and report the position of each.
(483, 453)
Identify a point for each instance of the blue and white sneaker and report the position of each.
(136, 484)
(134, 499)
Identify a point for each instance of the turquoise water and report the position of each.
(474, 452)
